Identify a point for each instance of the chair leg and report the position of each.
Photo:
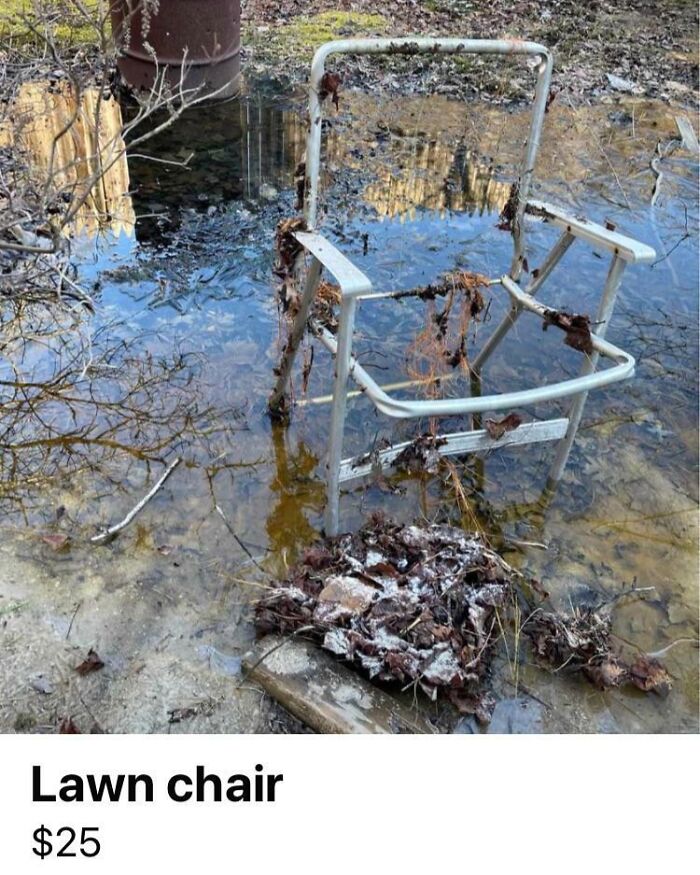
(276, 400)
(346, 325)
(605, 311)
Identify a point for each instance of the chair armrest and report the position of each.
(351, 280)
(625, 247)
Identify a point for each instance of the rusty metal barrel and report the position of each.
(193, 43)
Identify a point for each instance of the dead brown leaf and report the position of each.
(649, 675)
(330, 83)
(510, 210)
(91, 663)
(497, 428)
(577, 328)
(606, 674)
(57, 542)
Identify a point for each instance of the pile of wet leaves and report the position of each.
(415, 604)
(425, 606)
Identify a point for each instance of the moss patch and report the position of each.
(303, 36)
(69, 26)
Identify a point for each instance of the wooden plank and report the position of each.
(478, 440)
(325, 694)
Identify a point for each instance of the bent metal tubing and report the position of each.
(430, 45)
(407, 409)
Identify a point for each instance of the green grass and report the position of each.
(67, 25)
(303, 36)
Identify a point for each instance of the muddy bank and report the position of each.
(601, 48)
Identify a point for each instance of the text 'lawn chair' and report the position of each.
(356, 287)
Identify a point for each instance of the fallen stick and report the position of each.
(107, 535)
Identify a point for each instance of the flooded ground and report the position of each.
(178, 361)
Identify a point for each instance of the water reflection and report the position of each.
(253, 145)
(250, 150)
(81, 399)
(65, 142)
(437, 176)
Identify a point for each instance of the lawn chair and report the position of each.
(356, 287)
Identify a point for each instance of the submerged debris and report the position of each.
(577, 328)
(413, 604)
(91, 663)
(422, 455)
(581, 641)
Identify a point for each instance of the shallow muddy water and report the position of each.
(178, 361)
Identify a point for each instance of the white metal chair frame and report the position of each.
(355, 286)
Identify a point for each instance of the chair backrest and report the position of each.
(433, 45)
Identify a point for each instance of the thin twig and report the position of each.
(237, 539)
(112, 531)
(70, 625)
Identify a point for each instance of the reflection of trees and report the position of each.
(296, 490)
(73, 401)
(68, 140)
(232, 151)
(438, 177)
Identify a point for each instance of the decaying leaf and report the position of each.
(510, 210)
(288, 248)
(649, 675)
(607, 673)
(496, 428)
(68, 727)
(91, 663)
(306, 370)
(327, 298)
(286, 243)
(577, 328)
(58, 541)
(300, 184)
(330, 83)
(421, 455)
